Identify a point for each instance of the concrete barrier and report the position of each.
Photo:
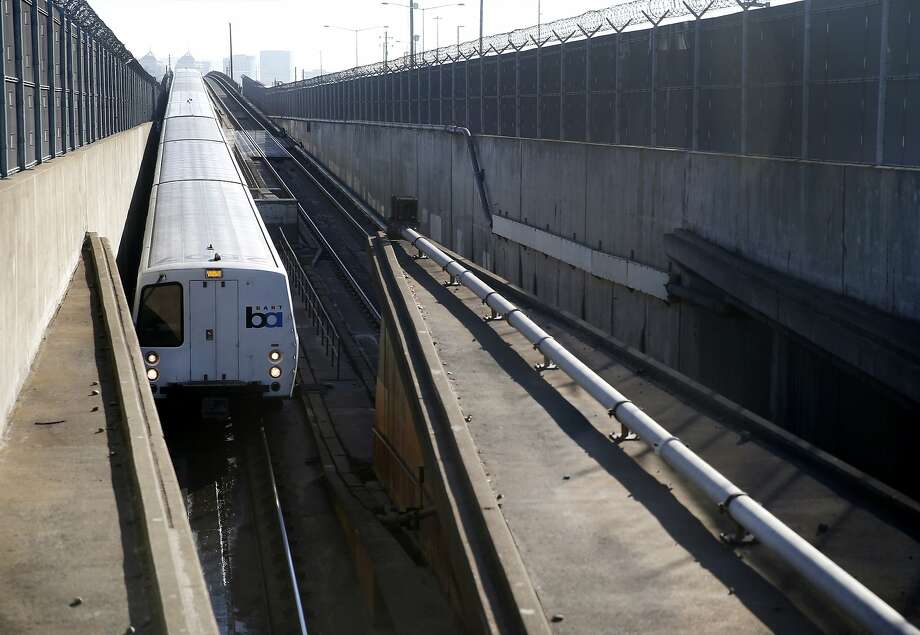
(852, 230)
(180, 597)
(45, 213)
(418, 423)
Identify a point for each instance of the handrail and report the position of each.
(845, 592)
(323, 325)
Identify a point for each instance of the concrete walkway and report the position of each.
(71, 557)
(612, 539)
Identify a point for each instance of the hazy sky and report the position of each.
(174, 26)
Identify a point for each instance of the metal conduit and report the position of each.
(846, 593)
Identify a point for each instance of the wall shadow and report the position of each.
(132, 237)
(136, 566)
(757, 594)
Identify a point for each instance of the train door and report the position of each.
(214, 341)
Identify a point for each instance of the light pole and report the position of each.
(437, 31)
(230, 25)
(415, 5)
(355, 31)
(480, 26)
(386, 40)
(459, 26)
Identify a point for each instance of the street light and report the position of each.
(387, 40)
(320, 51)
(480, 26)
(415, 5)
(355, 31)
(437, 31)
(459, 26)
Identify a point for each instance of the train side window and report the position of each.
(159, 318)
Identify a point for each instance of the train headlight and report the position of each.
(153, 374)
(274, 356)
(275, 371)
(152, 358)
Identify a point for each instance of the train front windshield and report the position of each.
(160, 317)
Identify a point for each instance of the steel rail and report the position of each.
(352, 281)
(279, 516)
(379, 223)
(846, 593)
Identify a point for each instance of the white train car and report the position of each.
(213, 309)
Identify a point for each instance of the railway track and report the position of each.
(284, 606)
(226, 472)
(333, 231)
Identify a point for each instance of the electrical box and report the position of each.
(404, 210)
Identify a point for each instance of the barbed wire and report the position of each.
(80, 12)
(613, 18)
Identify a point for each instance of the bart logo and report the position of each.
(258, 319)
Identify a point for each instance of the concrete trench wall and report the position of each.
(45, 213)
(851, 229)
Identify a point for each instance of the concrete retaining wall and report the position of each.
(851, 229)
(45, 213)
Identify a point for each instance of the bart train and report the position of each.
(213, 309)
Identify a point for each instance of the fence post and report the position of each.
(697, 31)
(36, 86)
(653, 45)
(562, 43)
(78, 91)
(67, 139)
(617, 80)
(466, 77)
(482, 91)
(588, 36)
(882, 84)
(453, 89)
(20, 87)
(587, 85)
(52, 95)
(617, 83)
(4, 134)
(806, 74)
(498, 90)
(517, 91)
(653, 118)
(540, 90)
(745, 26)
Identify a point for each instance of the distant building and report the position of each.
(188, 61)
(274, 66)
(152, 65)
(242, 65)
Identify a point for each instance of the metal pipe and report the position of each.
(847, 593)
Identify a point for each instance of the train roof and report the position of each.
(200, 202)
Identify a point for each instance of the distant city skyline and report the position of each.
(204, 26)
(256, 27)
(265, 66)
